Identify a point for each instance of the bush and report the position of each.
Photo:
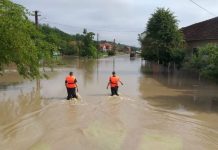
(206, 61)
(111, 53)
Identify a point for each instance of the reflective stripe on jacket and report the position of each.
(70, 80)
(114, 81)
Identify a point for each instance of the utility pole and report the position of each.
(114, 54)
(36, 14)
(114, 46)
(97, 37)
(113, 64)
(97, 54)
(37, 26)
(36, 18)
(97, 44)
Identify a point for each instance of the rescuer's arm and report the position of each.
(108, 84)
(77, 89)
(120, 81)
(76, 85)
(66, 83)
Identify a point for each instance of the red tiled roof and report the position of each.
(106, 44)
(206, 30)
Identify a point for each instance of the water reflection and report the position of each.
(26, 103)
(177, 90)
(88, 68)
(172, 115)
(10, 79)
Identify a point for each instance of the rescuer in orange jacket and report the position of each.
(70, 83)
(114, 84)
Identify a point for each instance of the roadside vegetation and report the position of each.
(29, 47)
(17, 45)
(162, 42)
(205, 61)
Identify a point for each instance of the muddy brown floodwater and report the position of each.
(155, 111)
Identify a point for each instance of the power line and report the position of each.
(103, 30)
(62, 24)
(202, 8)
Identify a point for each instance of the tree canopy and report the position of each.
(61, 41)
(88, 47)
(26, 47)
(16, 44)
(162, 38)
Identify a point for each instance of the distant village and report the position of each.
(106, 46)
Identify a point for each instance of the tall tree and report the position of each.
(162, 38)
(88, 48)
(16, 44)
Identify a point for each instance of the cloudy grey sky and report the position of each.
(122, 20)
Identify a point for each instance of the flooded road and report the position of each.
(155, 111)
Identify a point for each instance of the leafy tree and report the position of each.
(74, 47)
(45, 50)
(88, 47)
(16, 44)
(27, 47)
(57, 38)
(177, 57)
(79, 37)
(162, 38)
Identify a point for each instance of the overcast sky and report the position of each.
(122, 20)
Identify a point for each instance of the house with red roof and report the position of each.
(106, 46)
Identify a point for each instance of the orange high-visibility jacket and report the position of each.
(70, 80)
(114, 81)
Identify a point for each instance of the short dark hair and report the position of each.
(71, 73)
(113, 72)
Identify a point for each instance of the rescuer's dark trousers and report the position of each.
(114, 91)
(71, 93)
